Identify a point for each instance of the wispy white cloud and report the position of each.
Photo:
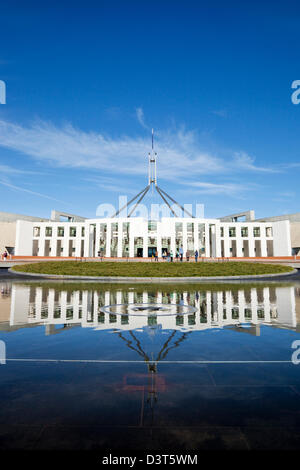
(34, 193)
(245, 162)
(180, 154)
(9, 170)
(112, 185)
(72, 148)
(141, 118)
(230, 189)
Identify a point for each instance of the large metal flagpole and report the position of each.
(152, 182)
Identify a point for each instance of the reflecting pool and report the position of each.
(95, 366)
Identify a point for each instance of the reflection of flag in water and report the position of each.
(135, 382)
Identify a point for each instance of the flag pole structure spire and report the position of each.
(152, 183)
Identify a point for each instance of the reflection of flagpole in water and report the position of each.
(152, 362)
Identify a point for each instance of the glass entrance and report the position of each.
(151, 251)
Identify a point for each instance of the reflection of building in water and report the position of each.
(268, 305)
(5, 291)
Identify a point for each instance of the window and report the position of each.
(60, 231)
(72, 231)
(152, 226)
(248, 313)
(232, 231)
(221, 231)
(256, 232)
(260, 313)
(82, 231)
(36, 231)
(269, 232)
(48, 231)
(244, 231)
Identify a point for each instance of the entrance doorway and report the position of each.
(151, 251)
(139, 252)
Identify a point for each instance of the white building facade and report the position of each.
(138, 237)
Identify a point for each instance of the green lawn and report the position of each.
(152, 269)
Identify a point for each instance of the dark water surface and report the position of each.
(216, 375)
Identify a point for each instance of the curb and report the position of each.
(150, 279)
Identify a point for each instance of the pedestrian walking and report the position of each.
(187, 255)
(181, 253)
(156, 255)
(171, 256)
(177, 255)
(196, 256)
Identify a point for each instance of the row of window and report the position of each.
(73, 231)
(60, 231)
(244, 231)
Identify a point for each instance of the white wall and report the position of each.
(7, 235)
(24, 236)
(282, 238)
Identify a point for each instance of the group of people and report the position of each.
(169, 256)
(4, 256)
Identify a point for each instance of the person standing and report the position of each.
(156, 255)
(171, 256)
(181, 253)
(187, 255)
(196, 256)
(177, 255)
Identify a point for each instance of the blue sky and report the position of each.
(86, 82)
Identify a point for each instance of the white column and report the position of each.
(207, 236)
(267, 306)
(239, 243)
(251, 241)
(263, 243)
(196, 237)
(108, 240)
(78, 241)
(227, 252)
(119, 297)
(220, 307)
(120, 239)
(53, 241)
(131, 242)
(42, 243)
(213, 240)
(208, 309)
(38, 304)
(51, 305)
(63, 306)
(145, 244)
(184, 237)
(242, 305)
(76, 306)
(254, 305)
(97, 239)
